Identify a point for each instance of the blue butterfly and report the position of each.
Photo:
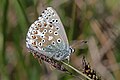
(47, 36)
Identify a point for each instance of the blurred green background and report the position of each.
(97, 21)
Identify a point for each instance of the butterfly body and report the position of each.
(47, 36)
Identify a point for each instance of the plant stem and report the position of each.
(76, 70)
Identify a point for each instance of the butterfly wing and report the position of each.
(48, 37)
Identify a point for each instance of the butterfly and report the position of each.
(47, 36)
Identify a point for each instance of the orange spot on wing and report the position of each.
(33, 37)
(45, 24)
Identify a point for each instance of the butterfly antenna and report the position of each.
(78, 44)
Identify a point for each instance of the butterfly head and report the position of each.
(72, 50)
